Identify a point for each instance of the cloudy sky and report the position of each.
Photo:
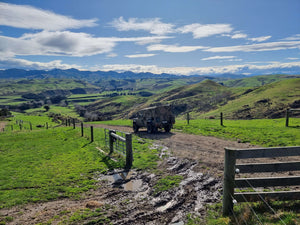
(159, 36)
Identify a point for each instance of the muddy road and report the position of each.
(207, 151)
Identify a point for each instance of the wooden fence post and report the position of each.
(47, 125)
(30, 124)
(73, 123)
(188, 118)
(81, 129)
(92, 134)
(221, 119)
(129, 155)
(228, 184)
(287, 118)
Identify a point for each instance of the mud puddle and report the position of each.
(125, 180)
(191, 196)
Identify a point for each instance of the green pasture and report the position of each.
(127, 123)
(11, 100)
(264, 132)
(46, 164)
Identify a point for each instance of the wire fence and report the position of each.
(234, 191)
(222, 117)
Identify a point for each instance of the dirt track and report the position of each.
(207, 151)
(2, 125)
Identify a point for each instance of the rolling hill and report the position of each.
(268, 101)
(109, 95)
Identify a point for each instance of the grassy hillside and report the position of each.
(209, 98)
(9, 87)
(257, 81)
(200, 97)
(268, 101)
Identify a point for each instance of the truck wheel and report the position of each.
(167, 128)
(135, 128)
(149, 128)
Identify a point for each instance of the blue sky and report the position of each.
(159, 36)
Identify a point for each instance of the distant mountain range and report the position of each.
(96, 75)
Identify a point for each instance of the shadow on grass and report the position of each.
(111, 164)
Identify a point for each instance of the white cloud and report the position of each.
(269, 46)
(218, 57)
(23, 16)
(111, 55)
(152, 25)
(173, 48)
(205, 30)
(292, 58)
(239, 35)
(139, 55)
(260, 39)
(63, 43)
(295, 37)
(237, 69)
(26, 64)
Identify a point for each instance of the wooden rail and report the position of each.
(231, 168)
(114, 138)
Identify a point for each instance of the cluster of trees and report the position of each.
(141, 93)
(55, 99)
(91, 116)
(37, 102)
(5, 112)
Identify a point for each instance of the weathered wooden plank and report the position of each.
(267, 181)
(268, 167)
(118, 137)
(256, 196)
(228, 188)
(266, 152)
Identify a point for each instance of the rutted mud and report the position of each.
(168, 207)
(129, 198)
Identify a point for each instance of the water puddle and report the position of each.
(125, 180)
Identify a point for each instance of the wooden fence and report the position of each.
(121, 143)
(288, 112)
(231, 168)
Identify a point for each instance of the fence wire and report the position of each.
(266, 203)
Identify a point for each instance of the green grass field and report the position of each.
(46, 164)
(264, 132)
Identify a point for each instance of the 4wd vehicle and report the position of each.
(153, 118)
